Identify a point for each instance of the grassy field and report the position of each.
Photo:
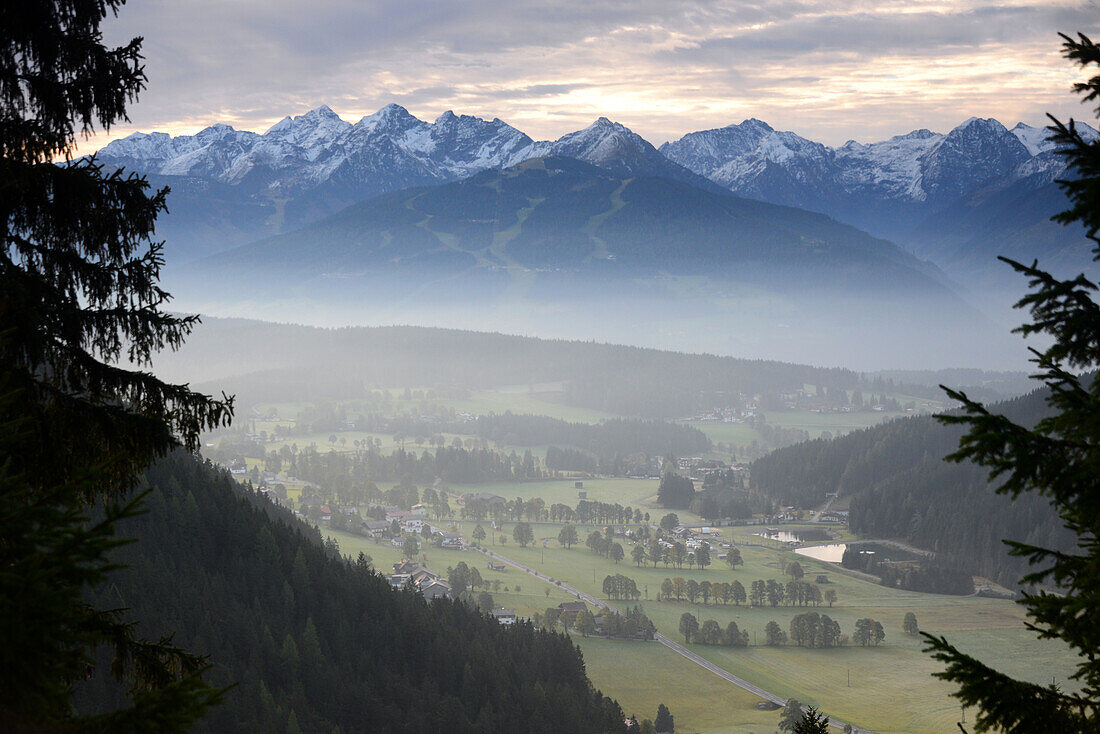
(992, 628)
(837, 424)
(642, 675)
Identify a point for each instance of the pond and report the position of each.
(832, 553)
(798, 535)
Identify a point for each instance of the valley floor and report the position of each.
(884, 689)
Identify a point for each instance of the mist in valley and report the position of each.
(638, 387)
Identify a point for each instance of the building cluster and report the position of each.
(430, 585)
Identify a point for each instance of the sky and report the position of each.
(830, 71)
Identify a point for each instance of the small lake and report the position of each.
(807, 535)
(832, 553)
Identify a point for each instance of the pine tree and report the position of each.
(79, 303)
(813, 722)
(792, 716)
(664, 721)
(1057, 459)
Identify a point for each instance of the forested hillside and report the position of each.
(317, 644)
(309, 363)
(900, 487)
(290, 363)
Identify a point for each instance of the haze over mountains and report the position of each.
(671, 247)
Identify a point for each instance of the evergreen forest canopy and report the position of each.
(315, 641)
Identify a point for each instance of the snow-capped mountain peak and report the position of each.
(1037, 139)
(392, 117)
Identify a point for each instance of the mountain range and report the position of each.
(957, 198)
(234, 186)
(742, 240)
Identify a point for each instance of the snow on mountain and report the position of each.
(314, 164)
(307, 151)
(708, 150)
(385, 151)
(909, 167)
(892, 166)
(467, 145)
(801, 160)
(974, 152)
(1033, 138)
(1036, 139)
(750, 158)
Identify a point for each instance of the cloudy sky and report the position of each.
(830, 70)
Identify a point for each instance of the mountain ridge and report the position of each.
(918, 189)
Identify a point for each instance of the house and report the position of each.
(504, 616)
(435, 589)
(422, 576)
(376, 527)
(487, 498)
(452, 540)
(568, 611)
(398, 580)
(405, 567)
(412, 525)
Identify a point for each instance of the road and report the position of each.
(815, 516)
(670, 644)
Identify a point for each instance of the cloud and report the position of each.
(830, 70)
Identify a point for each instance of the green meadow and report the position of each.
(886, 689)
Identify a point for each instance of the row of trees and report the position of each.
(620, 587)
(631, 624)
(808, 629)
(720, 591)
(671, 553)
(711, 633)
(598, 542)
(762, 593)
(794, 593)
